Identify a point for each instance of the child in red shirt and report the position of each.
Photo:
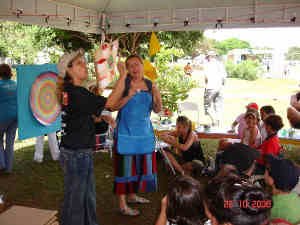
(271, 145)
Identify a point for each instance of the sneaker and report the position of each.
(38, 160)
(129, 212)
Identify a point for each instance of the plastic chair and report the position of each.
(159, 148)
(189, 106)
(104, 142)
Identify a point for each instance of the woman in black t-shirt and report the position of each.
(78, 138)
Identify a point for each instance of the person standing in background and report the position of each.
(39, 147)
(8, 117)
(215, 75)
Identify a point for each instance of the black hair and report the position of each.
(268, 109)
(185, 202)
(233, 200)
(5, 71)
(275, 122)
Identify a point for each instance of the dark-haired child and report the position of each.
(271, 145)
(265, 111)
(282, 175)
(183, 204)
(232, 201)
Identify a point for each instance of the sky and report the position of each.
(277, 38)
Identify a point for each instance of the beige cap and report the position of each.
(62, 65)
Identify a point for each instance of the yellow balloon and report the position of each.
(154, 45)
(149, 70)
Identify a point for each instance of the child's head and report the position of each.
(281, 174)
(230, 200)
(273, 124)
(251, 118)
(185, 201)
(183, 125)
(266, 110)
(241, 156)
(252, 105)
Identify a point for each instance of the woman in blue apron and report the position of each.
(134, 158)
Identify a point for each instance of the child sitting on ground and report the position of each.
(186, 143)
(265, 111)
(282, 175)
(240, 120)
(271, 145)
(251, 135)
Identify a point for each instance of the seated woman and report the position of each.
(186, 144)
(183, 204)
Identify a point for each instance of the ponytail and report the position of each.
(61, 84)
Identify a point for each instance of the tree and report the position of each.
(293, 53)
(223, 47)
(137, 43)
(205, 45)
(246, 70)
(22, 42)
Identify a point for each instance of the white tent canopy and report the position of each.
(116, 16)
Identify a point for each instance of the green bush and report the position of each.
(174, 86)
(246, 70)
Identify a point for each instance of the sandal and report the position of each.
(129, 212)
(138, 200)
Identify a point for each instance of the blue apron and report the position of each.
(134, 131)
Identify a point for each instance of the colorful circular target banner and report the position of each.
(43, 100)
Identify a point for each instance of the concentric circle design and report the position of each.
(43, 100)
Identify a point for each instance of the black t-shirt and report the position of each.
(78, 128)
(101, 127)
(194, 152)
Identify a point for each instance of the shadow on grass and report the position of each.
(40, 185)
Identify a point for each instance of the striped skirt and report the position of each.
(134, 173)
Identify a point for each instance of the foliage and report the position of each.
(174, 86)
(205, 45)
(246, 70)
(184, 40)
(72, 40)
(137, 43)
(223, 47)
(293, 53)
(165, 56)
(22, 42)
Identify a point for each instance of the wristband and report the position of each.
(105, 112)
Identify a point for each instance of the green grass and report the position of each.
(41, 185)
(238, 93)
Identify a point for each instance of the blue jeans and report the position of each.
(79, 205)
(7, 154)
